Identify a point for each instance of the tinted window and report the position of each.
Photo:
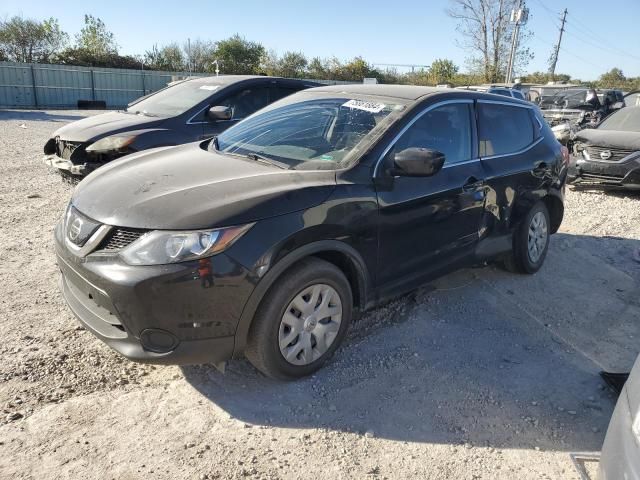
(517, 94)
(175, 100)
(503, 129)
(279, 92)
(624, 120)
(247, 101)
(497, 91)
(446, 129)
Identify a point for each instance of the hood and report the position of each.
(187, 187)
(91, 128)
(610, 138)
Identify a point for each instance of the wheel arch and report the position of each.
(555, 206)
(338, 253)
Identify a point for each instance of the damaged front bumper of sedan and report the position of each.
(605, 166)
(73, 161)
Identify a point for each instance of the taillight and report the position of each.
(565, 155)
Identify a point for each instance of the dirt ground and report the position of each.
(483, 375)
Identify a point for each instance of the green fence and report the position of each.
(37, 85)
(33, 85)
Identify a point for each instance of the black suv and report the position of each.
(267, 240)
(183, 112)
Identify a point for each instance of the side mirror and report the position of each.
(417, 162)
(219, 112)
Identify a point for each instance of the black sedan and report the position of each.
(609, 154)
(183, 112)
(267, 240)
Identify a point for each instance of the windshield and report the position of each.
(624, 120)
(317, 134)
(570, 98)
(174, 100)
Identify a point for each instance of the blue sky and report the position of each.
(396, 32)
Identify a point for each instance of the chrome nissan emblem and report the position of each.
(74, 229)
(605, 154)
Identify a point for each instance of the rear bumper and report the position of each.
(620, 457)
(624, 174)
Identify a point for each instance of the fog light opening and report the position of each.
(158, 341)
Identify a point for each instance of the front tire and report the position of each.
(301, 321)
(530, 241)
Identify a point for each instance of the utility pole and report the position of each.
(552, 71)
(189, 54)
(519, 16)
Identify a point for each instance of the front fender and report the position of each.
(283, 264)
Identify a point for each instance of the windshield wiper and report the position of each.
(259, 157)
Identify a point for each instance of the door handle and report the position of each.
(472, 184)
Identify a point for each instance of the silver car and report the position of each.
(620, 457)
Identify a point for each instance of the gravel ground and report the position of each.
(481, 375)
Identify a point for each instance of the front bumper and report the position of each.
(165, 314)
(620, 458)
(67, 166)
(624, 174)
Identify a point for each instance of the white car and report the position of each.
(620, 458)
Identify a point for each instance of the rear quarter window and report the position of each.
(503, 129)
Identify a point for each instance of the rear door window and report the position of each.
(499, 91)
(280, 91)
(446, 129)
(503, 129)
(247, 101)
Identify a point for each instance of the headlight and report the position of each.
(109, 144)
(161, 247)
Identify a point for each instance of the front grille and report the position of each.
(617, 154)
(119, 238)
(602, 176)
(65, 149)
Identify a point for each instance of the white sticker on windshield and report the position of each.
(372, 107)
(209, 87)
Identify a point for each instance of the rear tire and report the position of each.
(301, 321)
(530, 242)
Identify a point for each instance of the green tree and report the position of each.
(292, 65)
(354, 71)
(442, 71)
(317, 69)
(613, 78)
(238, 56)
(199, 55)
(95, 38)
(82, 57)
(28, 40)
(170, 57)
(545, 77)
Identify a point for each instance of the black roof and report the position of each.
(412, 92)
(229, 79)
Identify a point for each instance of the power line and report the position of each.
(588, 41)
(552, 13)
(597, 37)
(596, 45)
(564, 50)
